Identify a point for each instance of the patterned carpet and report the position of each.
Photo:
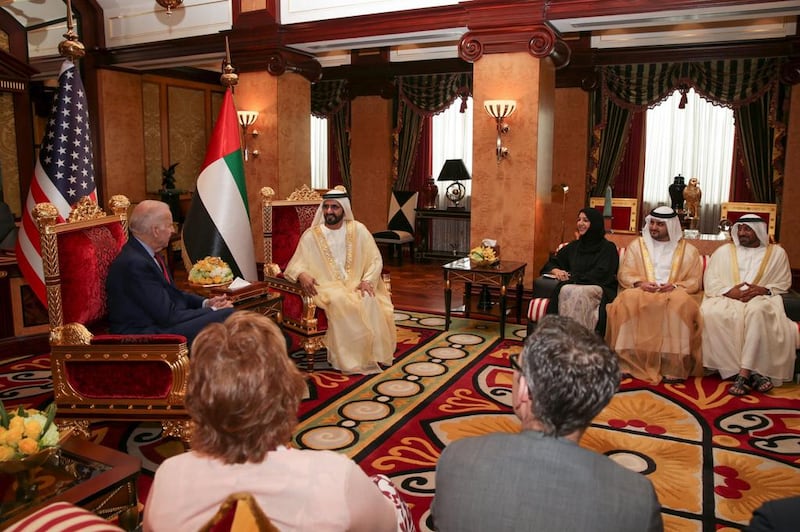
(712, 457)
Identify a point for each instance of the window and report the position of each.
(452, 139)
(319, 152)
(696, 141)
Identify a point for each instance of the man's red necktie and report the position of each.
(163, 265)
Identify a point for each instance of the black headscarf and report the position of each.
(592, 239)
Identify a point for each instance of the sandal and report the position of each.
(760, 383)
(740, 386)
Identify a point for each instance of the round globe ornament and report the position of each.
(455, 193)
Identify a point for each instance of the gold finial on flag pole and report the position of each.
(228, 78)
(71, 47)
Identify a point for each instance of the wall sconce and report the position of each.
(500, 110)
(247, 119)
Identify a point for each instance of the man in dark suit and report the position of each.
(142, 297)
(540, 479)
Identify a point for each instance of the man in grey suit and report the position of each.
(541, 479)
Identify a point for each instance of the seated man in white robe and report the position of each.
(746, 332)
(338, 264)
(654, 324)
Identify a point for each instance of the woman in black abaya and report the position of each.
(586, 269)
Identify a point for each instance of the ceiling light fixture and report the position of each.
(169, 4)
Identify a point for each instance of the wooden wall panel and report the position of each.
(121, 124)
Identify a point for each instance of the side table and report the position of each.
(502, 275)
(256, 297)
(82, 473)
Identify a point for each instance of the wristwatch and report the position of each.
(769, 292)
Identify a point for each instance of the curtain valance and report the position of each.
(732, 82)
(433, 93)
(328, 97)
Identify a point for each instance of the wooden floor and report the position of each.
(420, 286)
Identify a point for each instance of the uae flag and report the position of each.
(63, 173)
(218, 222)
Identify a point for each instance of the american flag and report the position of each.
(63, 174)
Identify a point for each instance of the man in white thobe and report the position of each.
(746, 332)
(338, 264)
(654, 324)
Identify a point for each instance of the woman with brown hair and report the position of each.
(243, 393)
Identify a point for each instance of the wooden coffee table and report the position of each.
(82, 473)
(502, 275)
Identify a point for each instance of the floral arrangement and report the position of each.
(210, 270)
(25, 433)
(483, 255)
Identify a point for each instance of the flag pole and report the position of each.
(71, 47)
(218, 221)
(58, 184)
(229, 78)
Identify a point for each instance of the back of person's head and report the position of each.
(146, 215)
(243, 390)
(571, 372)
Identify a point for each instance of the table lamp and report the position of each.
(454, 170)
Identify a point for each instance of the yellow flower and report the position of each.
(6, 453)
(28, 446)
(16, 422)
(3, 435)
(33, 429)
(13, 436)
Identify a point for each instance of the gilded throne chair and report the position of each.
(284, 222)
(99, 376)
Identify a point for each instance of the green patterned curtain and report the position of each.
(750, 86)
(330, 99)
(762, 134)
(340, 129)
(609, 135)
(420, 96)
(732, 82)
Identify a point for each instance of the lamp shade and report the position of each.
(500, 108)
(247, 118)
(454, 170)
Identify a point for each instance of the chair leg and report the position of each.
(311, 346)
(399, 248)
(411, 251)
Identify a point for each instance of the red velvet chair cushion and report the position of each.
(84, 258)
(110, 379)
(293, 308)
(288, 224)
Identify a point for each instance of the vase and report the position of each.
(430, 194)
(23, 471)
(676, 193)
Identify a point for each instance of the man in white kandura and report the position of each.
(746, 332)
(654, 324)
(338, 264)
